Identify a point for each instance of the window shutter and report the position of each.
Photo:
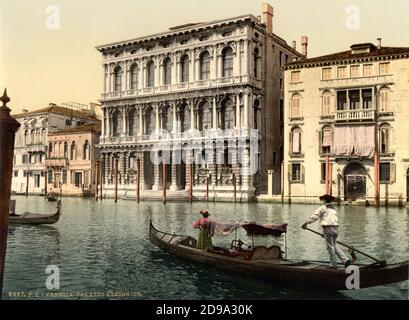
(320, 137)
(392, 173)
(302, 173)
(290, 139)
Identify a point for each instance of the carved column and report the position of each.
(189, 161)
(140, 155)
(156, 173)
(214, 118)
(121, 167)
(174, 186)
(238, 116)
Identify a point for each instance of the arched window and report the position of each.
(255, 62)
(167, 119)
(257, 115)
(205, 66)
(50, 150)
(73, 151)
(33, 135)
(326, 140)
(385, 132)
(227, 62)
(296, 106)
(326, 104)
(149, 120)
(296, 140)
(205, 116)
(183, 117)
(150, 74)
(226, 115)
(116, 123)
(118, 79)
(131, 123)
(26, 137)
(43, 136)
(85, 151)
(167, 71)
(66, 150)
(384, 104)
(134, 77)
(184, 65)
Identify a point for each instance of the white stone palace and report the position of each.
(214, 90)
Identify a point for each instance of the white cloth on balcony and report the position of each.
(327, 138)
(354, 141)
(296, 142)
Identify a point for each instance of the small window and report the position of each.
(342, 72)
(15, 173)
(296, 174)
(384, 69)
(368, 70)
(385, 138)
(295, 76)
(204, 38)
(296, 106)
(326, 104)
(296, 144)
(384, 172)
(355, 71)
(384, 100)
(68, 122)
(326, 140)
(327, 74)
(367, 98)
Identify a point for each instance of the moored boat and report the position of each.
(52, 197)
(268, 263)
(35, 218)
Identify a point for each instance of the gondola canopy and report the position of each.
(263, 230)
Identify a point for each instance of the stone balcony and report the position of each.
(355, 115)
(57, 162)
(36, 147)
(191, 135)
(201, 84)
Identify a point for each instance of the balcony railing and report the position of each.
(57, 162)
(182, 86)
(355, 115)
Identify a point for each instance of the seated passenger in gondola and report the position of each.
(204, 240)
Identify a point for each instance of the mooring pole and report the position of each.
(234, 187)
(27, 181)
(101, 179)
(138, 179)
(191, 183)
(45, 182)
(282, 182)
(376, 165)
(116, 178)
(8, 129)
(164, 180)
(207, 188)
(96, 179)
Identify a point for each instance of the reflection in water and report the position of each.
(101, 246)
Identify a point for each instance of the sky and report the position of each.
(45, 60)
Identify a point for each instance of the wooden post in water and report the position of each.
(164, 180)
(27, 181)
(191, 183)
(116, 178)
(45, 182)
(326, 175)
(8, 129)
(234, 187)
(376, 165)
(207, 188)
(138, 180)
(330, 179)
(101, 179)
(282, 182)
(96, 179)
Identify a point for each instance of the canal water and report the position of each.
(104, 247)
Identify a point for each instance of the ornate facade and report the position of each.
(203, 94)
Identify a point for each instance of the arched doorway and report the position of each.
(355, 182)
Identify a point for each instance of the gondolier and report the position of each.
(204, 240)
(327, 215)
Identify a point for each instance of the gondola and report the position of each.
(35, 218)
(52, 197)
(270, 263)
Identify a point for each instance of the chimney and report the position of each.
(268, 13)
(379, 43)
(294, 45)
(304, 45)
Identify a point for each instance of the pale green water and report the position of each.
(105, 246)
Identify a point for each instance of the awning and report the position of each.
(255, 229)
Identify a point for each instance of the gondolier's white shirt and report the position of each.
(326, 214)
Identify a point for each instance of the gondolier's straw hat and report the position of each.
(327, 198)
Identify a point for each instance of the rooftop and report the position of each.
(93, 127)
(52, 108)
(357, 52)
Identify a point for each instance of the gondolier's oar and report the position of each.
(350, 247)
